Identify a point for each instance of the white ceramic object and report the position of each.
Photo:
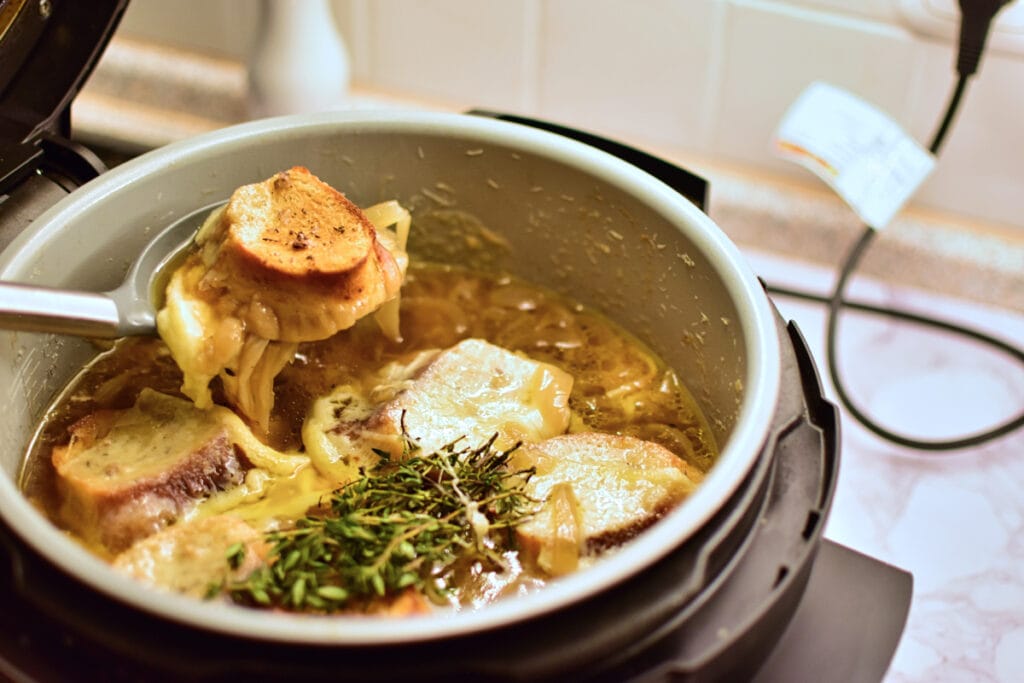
(299, 62)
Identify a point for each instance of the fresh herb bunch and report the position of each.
(406, 524)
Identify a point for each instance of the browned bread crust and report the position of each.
(620, 485)
(295, 225)
(117, 495)
(295, 260)
(189, 557)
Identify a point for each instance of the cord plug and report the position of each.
(975, 23)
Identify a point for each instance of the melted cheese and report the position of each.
(144, 441)
(467, 393)
(200, 344)
(126, 474)
(188, 557)
(619, 486)
(265, 500)
(287, 260)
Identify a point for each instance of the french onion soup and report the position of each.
(302, 438)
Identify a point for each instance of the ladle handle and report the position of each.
(42, 309)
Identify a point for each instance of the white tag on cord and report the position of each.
(858, 150)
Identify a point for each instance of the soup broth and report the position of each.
(619, 387)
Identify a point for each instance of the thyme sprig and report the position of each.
(406, 524)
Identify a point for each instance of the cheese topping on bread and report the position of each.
(466, 393)
(286, 260)
(599, 491)
(128, 473)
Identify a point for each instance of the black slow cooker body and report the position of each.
(48, 49)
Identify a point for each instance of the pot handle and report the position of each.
(688, 184)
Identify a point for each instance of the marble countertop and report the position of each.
(955, 520)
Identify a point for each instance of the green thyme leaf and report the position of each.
(333, 593)
(235, 554)
(406, 524)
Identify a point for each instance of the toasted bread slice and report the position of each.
(286, 260)
(294, 260)
(133, 472)
(126, 474)
(296, 225)
(466, 393)
(189, 557)
(619, 485)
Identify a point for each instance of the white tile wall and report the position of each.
(772, 52)
(477, 52)
(221, 27)
(981, 167)
(651, 68)
(885, 10)
(708, 76)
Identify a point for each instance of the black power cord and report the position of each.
(976, 21)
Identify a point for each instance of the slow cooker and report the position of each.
(706, 594)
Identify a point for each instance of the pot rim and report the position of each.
(746, 442)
